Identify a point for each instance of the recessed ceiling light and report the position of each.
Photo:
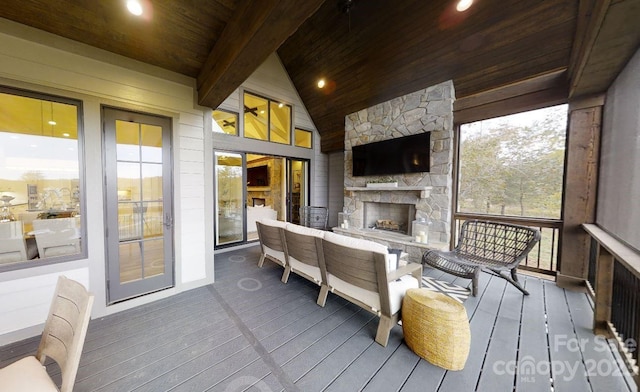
(280, 105)
(134, 7)
(321, 83)
(65, 134)
(51, 122)
(262, 112)
(464, 5)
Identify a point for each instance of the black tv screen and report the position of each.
(408, 154)
(258, 176)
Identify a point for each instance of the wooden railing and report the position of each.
(616, 288)
(543, 258)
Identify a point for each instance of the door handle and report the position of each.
(168, 221)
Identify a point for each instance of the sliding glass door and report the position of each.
(250, 187)
(229, 189)
(297, 188)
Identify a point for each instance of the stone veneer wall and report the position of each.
(427, 110)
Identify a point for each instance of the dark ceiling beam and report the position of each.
(533, 93)
(255, 31)
(606, 37)
(591, 15)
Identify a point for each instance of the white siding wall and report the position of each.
(34, 60)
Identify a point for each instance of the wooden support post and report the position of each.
(604, 292)
(580, 189)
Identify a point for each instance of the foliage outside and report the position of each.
(514, 165)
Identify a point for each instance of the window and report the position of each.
(40, 178)
(255, 117)
(259, 111)
(302, 138)
(513, 165)
(225, 122)
(280, 120)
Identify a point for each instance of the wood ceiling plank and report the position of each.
(499, 42)
(175, 35)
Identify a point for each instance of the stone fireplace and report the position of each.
(427, 195)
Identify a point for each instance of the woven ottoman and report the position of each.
(436, 328)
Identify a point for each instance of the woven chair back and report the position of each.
(500, 242)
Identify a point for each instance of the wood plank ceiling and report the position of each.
(369, 51)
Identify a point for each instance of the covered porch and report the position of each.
(249, 331)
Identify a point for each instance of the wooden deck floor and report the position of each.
(251, 332)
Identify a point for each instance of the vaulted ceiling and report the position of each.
(499, 53)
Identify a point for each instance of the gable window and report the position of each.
(41, 189)
(266, 119)
(225, 122)
(302, 138)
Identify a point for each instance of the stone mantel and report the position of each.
(425, 191)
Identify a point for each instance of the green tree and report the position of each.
(514, 169)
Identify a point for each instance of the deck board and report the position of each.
(533, 348)
(250, 332)
(561, 329)
(503, 346)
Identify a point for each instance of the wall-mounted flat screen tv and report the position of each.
(258, 176)
(408, 154)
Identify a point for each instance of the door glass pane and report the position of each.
(128, 141)
(130, 261)
(229, 190)
(152, 219)
(280, 123)
(151, 143)
(298, 186)
(153, 257)
(255, 117)
(140, 207)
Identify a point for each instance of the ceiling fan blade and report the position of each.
(253, 111)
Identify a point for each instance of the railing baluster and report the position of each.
(617, 294)
(553, 262)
